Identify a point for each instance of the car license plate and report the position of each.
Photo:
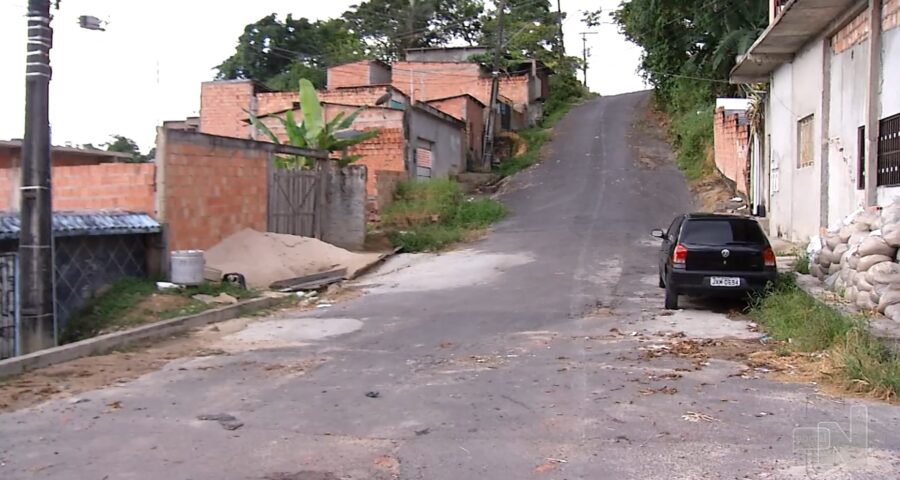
(724, 282)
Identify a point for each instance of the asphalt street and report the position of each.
(520, 356)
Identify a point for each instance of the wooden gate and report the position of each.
(292, 202)
(295, 193)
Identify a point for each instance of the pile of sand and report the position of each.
(265, 258)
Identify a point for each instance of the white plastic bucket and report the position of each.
(186, 267)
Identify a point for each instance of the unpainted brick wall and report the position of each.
(732, 142)
(386, 182)
(382, 153)
(224, 106)
(116, 186)
(426, 81)
(350, 74)
(467, 109)
(268, 102)
(109, 186)
(355, 95)
(210, 187)
(857, 31)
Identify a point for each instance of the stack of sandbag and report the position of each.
(860, 260)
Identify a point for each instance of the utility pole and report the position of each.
(488, 146)
(584, 54)
(37, 325)
(559, 20)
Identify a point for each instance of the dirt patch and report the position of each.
(90, 373)
(156, 305)
(713, 194)
(650, 143)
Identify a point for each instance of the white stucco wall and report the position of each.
(847, 112)
(796, 92)
(890, 94)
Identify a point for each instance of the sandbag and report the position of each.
(877, 224)
(832, 241)
(865, 302)
(839, 285)
(835, 268)
(869, 261)
(858, 237)
(885, 273)
(851, 275)
(859, 227)
(866, 218)
(862, 284)
(888, 298)
(839, 251)
(851, 294)
(816, 270)
(853, 261)
(891, 214)
(844, 234)
(874, 245)
(825, 257)
(893, 312)
(891, 235)
(830, 281)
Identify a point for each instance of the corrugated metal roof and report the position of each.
(70, 224)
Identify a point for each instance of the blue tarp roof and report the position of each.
(71, 224)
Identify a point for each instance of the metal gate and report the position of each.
(293, 198)
(9, 311)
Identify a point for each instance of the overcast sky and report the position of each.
(148, 65)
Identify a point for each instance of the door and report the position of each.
(424, 159)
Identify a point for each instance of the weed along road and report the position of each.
(539, 352)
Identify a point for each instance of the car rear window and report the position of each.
(721, 231)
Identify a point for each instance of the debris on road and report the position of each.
(697, 417)
(228, 422)
(424, 431)
(373, 394)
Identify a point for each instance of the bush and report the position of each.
(429, 215)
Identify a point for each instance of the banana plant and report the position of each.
(313, 131)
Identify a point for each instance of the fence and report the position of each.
(9, 313)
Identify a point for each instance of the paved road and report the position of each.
(492, 362)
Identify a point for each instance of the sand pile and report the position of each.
(265, 258)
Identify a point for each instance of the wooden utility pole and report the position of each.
(37, 325)
(488, 145)
(584, 54)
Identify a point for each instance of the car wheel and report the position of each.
(671, 299)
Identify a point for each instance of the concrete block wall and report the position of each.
(110, 186)
(344, 211)
(732, 140)
(210, 187)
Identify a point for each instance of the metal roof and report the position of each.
(71, 224)
(799, 22)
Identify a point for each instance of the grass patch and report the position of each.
(135, 301)
(791, 315)
(429, 215)
(801, 265)
(692, 138)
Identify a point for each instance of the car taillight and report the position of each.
(769, 257)
(679, 256)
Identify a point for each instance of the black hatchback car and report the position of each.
(706, 254)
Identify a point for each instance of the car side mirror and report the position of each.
(658, 233)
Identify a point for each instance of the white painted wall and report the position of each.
(796, 92)
(847, 112)
(890, 94)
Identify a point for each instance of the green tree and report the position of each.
(389, 27)
(279, 53)
(313, 131)
(123, 144)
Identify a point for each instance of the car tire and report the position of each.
(671, 298)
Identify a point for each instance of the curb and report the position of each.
(111, 341)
